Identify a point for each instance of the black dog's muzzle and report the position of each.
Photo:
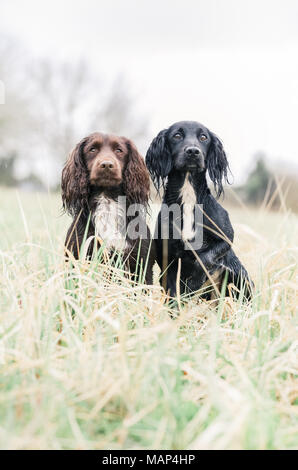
(194, 158)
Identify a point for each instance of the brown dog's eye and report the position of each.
(93, 149)
(119, 150)
(203, 137)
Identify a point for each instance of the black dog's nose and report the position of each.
(107, 165)
(192, 151)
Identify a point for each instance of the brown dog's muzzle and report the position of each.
(106, 171)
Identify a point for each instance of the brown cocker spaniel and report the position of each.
(105, 188)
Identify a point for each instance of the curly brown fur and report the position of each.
(99, 170)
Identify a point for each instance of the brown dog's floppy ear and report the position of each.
(136, 178)
(75, 182)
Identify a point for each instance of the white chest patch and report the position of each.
(189, 200)
(109, 220)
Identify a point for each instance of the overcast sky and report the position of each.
(230, 64)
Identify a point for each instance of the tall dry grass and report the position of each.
(89, 360)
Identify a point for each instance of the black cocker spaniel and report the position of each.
(194, 234)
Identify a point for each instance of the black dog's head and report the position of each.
(187, 146)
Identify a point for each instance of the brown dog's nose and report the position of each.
(107, 165)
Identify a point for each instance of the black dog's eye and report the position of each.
(203, 137)
(177, 136)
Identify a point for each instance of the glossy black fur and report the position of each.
(170, 160)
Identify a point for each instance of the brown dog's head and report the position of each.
(103, 161)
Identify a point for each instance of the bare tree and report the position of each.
(70, 102)
(14, 112)
(51, 105)
(118, 113)
(60, 98)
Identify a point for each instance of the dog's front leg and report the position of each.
(172, 280)
(216, 252)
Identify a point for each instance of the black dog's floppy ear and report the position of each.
(159, 159)
(217, 164)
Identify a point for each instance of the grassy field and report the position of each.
(90, 361)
